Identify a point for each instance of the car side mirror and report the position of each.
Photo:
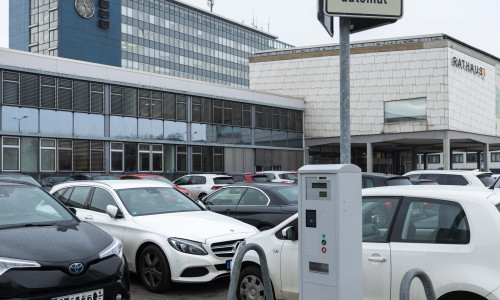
(290, 233)
(114, 212)
(73, 210)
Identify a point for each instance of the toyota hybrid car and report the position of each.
(48, 253)
(167, 236)
(451, 233)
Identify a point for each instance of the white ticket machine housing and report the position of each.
(330, 234)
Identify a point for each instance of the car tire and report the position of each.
(250, 284)
(154, 270)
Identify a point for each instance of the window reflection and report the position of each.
(279, 138)
(89, 125)
(27, 124)
(405, 110)
(150, 129)
(263, 137)
(224, 134)
(175, 131)
(123, 127)
(58, 122)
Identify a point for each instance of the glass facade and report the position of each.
(170, 38)
(159, 36)
(19, 18)
(58, 124)
(43, 27)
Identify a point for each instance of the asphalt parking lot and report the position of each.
(215, 290)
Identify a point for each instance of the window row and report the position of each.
(51, 155)
(165, 9)
(459, 158)
(32, 90)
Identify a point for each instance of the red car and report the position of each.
(157, 178)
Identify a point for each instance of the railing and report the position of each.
(404, 290)
(236, 270)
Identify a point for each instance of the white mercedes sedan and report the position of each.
(167, 237)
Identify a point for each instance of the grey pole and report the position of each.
(345, 92)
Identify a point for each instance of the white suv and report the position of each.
(452, 233)
(454, 177)
(200, 185)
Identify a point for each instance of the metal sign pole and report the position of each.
(345, 92)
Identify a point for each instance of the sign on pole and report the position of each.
(378, 9)
(326, 21)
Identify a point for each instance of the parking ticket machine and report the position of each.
(330, 232)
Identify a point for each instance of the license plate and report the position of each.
(91, 295)
(228, 265)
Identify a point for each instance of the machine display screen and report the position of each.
(319, 185)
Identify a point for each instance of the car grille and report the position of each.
(225, 249)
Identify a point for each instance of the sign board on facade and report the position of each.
(380, 9)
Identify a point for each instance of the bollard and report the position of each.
(404, 290)
(235, 274)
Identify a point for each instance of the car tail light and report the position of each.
(216, 187)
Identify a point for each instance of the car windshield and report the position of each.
(161, 179)
(290, 193)
(30, 206)
(155, 200)
(487, 180)
(288, 176)
(106, 177)
(23, 178)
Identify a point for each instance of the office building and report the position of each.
(160, 36)
(60, 116)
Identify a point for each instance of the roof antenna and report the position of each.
(210, 4)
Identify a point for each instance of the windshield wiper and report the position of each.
(27, 225)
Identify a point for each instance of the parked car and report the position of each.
(370, 180)
(263, 205)
(200, 185)
(154, 177)
(249, 177)
(90, 176)
(454, 177)
(49, 182)
(281, 176)
(19, 177)
(445, 231)
(167, 237)
(48, 253)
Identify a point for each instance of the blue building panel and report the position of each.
(19, 18)
(84, 39)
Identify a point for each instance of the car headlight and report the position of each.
(115, 248)
(10, 263)
(187, 246)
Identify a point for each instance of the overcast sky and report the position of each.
(475, 22)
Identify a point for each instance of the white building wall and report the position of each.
(375, 78)
(472, 106)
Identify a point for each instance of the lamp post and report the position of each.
(19, 122)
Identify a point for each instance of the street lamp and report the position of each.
(19, 122)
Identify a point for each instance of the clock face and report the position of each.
(84, 8)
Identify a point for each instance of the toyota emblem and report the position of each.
(76, 268)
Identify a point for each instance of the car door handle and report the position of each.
(377, 258)
(89, 218)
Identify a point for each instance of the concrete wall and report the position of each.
(375, 78)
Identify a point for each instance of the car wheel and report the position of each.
(250, 285)
(154, 270)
